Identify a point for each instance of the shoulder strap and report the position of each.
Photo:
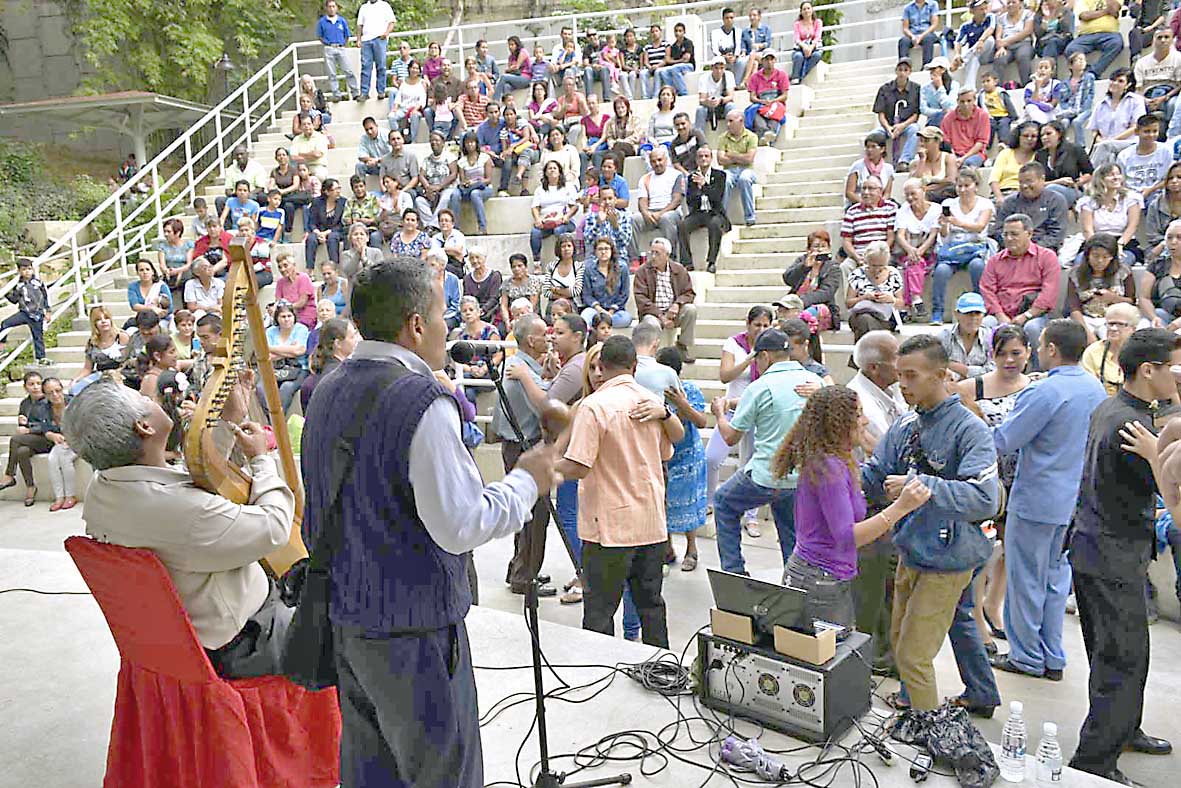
(341, 463)
(980, 387)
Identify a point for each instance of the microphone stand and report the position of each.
(545, 778)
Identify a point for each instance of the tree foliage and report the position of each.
(170, 46)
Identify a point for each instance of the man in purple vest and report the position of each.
(411, 509)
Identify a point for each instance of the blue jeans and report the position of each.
(1038, 582)
(508, 83)
(738, 494)
(927, 42)
(539, 234)
(1109, 45)
(744, 177)
(412, 119)
(975, 160)
(476, 196)
(312, 243)
(800, 65)
(620, 319)
(601, 73)
(647, 83)
(970, 657)
(362, 170)
(36, 329)
(447, 129)
(720, 112)
(1067, 193)
(909, 143)
(567, 510)
(973, 255)
(674, 77)
(373, 56)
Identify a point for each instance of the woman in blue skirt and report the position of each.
(686, 483)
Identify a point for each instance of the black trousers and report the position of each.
(529, 543)
(408, 709)
(605, 570)
(1114, 618)
(713, 222)
(21, 449)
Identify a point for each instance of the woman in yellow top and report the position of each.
(1021, 150)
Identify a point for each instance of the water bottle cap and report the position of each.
(1050, 729)
(1016, 707)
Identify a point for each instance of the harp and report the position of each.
(208, 444)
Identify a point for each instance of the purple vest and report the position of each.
(389, 575)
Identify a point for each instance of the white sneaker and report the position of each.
(752, 529)
(1071, 605)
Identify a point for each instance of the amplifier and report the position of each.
(810, 702)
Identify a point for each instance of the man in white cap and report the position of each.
(768, 88)
(715, 94)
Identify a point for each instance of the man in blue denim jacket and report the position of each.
(940, 544)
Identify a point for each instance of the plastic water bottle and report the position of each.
(1013, 745)
(1049, 758)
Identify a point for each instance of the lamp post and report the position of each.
(225, 66)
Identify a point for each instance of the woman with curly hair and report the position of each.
(830, 507)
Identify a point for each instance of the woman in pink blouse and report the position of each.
(296, 289)
(806, 54)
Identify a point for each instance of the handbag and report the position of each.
(286, 369)
(775, 111)
(308, 655)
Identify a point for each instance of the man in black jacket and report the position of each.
(1111, 542)
(707, 208)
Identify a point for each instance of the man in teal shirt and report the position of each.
(769, 407)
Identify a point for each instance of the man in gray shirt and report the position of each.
(371, 149)
(401, 164)
(651, 374)
(529, 544)
(1047, 209)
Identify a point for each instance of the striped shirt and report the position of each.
(864, 225)
(655, 55)
(474, 111)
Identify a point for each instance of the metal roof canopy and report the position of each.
(133, 113)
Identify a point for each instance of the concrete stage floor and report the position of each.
(60, 665)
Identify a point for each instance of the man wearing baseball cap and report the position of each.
(768, 409)
(768, 86)
(966, 342)
(715, 94)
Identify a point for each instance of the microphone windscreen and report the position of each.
(462, 352)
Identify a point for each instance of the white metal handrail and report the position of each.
(138, 216)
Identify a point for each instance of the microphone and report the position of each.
(462, 352)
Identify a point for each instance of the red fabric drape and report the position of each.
(176, 722)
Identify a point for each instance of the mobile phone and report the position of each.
(947, 210)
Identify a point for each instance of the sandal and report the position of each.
(752, 529)
(9, 484)
(689, 562)
(895, 701)
(55, 506)
(31, 496)
(997, 632)
(571, 597)
(69, 503)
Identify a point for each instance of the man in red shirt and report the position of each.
(1020, 284)
(967, 129)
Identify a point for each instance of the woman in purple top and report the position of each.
(829, 507)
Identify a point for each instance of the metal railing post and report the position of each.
(79, 286)
(271, 95)
(295, 71)
(459, 43)
(191, 188)
(120, 241)
(246, 113)
(156, 198)
(221, 154)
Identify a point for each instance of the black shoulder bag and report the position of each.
(308, 655)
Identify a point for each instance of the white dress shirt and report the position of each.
(881, 408)
(209, 545)
(459, 511)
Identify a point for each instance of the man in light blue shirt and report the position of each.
(651, 374)
(769, 407)
(920, 27)
(1047, 428)
(371, 149)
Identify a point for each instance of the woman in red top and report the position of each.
(296, 289)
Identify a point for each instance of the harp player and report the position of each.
(209, 545)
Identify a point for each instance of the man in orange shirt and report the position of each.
(621, 436)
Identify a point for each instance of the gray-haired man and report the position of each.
(664, 296)
(209, 545)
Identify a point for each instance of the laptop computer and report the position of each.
(768, 604)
